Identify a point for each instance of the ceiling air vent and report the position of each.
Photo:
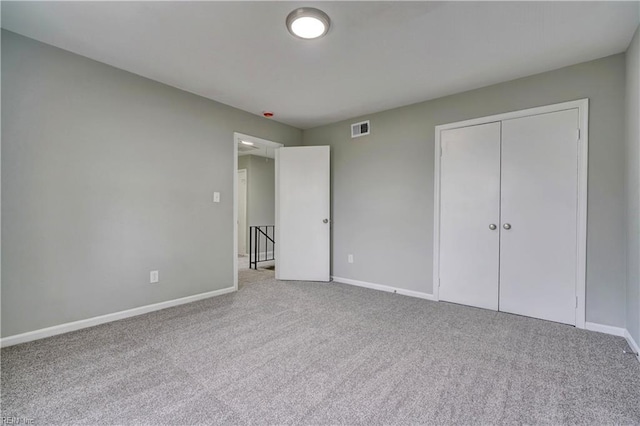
(360, 129)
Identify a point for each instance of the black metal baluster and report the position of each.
(250, 246)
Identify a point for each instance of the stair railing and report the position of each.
(261, 238)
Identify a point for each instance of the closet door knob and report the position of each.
(492, 227)
(506, 226)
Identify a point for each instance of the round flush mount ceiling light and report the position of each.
(308, 23)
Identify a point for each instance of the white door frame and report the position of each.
(237, 137)
(583, 143)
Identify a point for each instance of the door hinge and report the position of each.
(578, 132)
(438, 282)
(576, 302)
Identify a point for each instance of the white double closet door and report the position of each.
(508, 215)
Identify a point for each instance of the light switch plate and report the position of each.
(216, 197)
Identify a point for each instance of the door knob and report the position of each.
(325, 221)
(506, 226)
(492, 227)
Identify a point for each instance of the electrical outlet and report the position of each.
(154, 277)
(350, 258)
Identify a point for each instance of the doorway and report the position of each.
(254, 207)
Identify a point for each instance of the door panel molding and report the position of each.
(582, 106)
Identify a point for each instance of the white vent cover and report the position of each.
(360, 129)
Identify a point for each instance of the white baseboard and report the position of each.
(632, 344)
(607, 329)
(616, 331)
(90, 322)
(263, 254)
(383, 287)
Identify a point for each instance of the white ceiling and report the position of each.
(377, 55)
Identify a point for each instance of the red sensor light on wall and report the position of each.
(267, 114)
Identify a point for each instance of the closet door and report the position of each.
(469, 206)
(538, 234)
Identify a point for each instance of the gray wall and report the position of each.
(633, 188)
(261, 190)
(243, 162)
(106, 176)
(382, 184)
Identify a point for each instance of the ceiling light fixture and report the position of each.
(247, 143)
(308, 23)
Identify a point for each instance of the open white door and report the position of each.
(302, 213)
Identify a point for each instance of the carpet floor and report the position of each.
(250, 276)
(314, 353)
